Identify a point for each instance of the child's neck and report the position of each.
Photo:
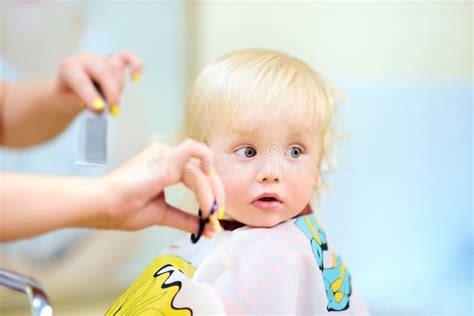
(231, 224)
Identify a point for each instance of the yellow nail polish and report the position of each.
(220, 213)
(82, 105)
(210, 174)
(215, 223)
(136, 76)
(115, 110)
(98, 104)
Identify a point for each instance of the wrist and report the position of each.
(100, 203)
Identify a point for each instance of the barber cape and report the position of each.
(286, 269)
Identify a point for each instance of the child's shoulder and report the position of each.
(296, 230)
(300, 244)
(294, 239)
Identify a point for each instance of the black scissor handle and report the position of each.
(202, 223)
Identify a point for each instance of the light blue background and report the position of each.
(401, 206)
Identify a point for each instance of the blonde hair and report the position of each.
(245, 88)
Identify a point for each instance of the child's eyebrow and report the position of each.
(241, 132)
(293, 132)
(299, 131)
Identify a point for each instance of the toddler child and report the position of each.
(268, 118)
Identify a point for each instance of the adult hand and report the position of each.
(32, 112)
(137, 187)
(78, 72)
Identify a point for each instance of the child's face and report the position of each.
(269, 174)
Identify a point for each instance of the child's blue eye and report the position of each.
(248, 152)
(293, 152)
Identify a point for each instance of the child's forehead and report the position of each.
(271, 131)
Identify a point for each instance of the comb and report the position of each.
(92, 145)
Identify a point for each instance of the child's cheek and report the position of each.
(235, 202)
(301, 189)
(234, 187)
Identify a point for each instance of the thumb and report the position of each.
(174, 217)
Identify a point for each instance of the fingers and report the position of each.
(188, 163)
(117, 66)
(208, 189)
(193, 161)
(183, 154)
(219, 191)
(136, 64)
(201, 185)
(176, 218)
(158, 212)
(76, 79)
(79, 72)
(103, 74)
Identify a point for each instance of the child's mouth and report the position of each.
(267, 203)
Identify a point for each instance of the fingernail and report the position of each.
(98, 104)
(213, 207)
(115, 110)
(215, 223)
(136, 76)
(220, 213)
(82, 105)
(210, 174)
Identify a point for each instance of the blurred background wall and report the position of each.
(400, 210)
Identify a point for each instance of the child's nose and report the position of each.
(269, 172)
(268, 178)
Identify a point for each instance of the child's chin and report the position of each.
(265, 223)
